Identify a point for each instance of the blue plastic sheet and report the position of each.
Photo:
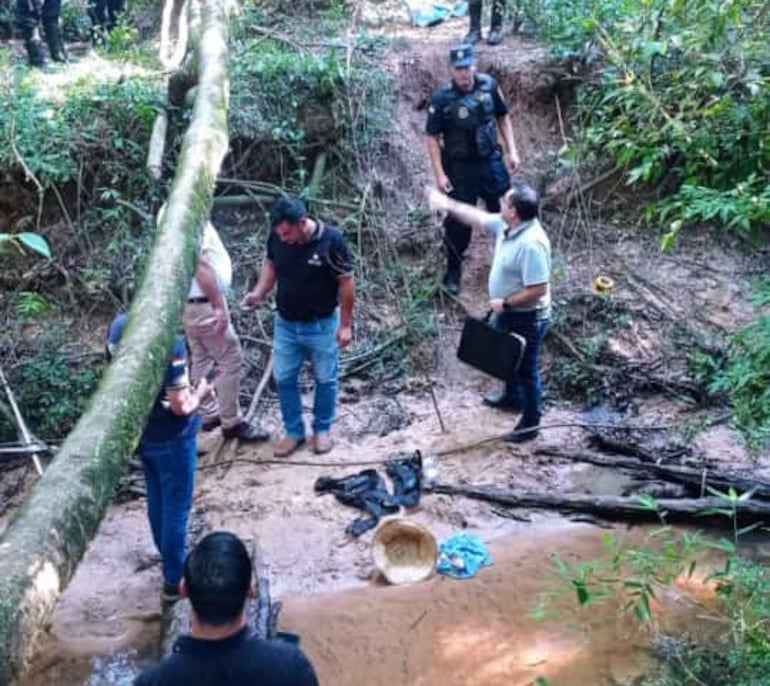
(462, 556)
(424, 13)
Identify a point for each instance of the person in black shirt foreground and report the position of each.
(219, 650)
(316, 291)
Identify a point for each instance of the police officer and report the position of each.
(495, 36)
(31, 13)
(468, 162)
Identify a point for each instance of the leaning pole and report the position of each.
(40, 550)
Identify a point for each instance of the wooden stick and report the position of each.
(260, 388)
(21, 425)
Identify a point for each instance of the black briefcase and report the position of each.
(491, 351)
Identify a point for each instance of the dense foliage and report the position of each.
(681, 101)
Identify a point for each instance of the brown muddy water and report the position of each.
(476, 632)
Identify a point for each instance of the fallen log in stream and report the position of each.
(692, 477)
(609, 507)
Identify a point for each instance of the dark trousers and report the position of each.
(169, 473)
(30, 13)
(487, 180)
(526, 390)
(105, 13)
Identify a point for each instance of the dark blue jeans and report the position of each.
(526, 390)
(486, 179)
(295, 342)
(169, 470)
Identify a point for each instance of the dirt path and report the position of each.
(303, 535)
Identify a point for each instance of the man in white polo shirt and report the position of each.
(213, 341)
(519, 292)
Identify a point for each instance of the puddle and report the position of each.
(477, 632)
(119, 669)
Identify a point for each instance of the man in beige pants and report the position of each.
(213, 341)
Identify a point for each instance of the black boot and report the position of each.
(524, 431)
(502, 401)
(495, 36)
(54, 40)
(474, 32)
(451, 281)
(35, 53)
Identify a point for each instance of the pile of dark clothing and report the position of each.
(367, 491)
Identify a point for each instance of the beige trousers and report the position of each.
(208, 347)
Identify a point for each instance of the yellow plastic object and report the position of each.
(603, 284)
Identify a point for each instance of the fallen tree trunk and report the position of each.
(610, 507)
(43, 545)
(689, 476)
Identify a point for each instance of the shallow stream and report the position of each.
(478, 632)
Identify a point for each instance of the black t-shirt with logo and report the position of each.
(308, 273)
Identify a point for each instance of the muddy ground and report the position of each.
(356, 629)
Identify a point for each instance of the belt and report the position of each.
(308, 318)
(197, 301)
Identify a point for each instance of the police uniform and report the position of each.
(495, 35)
(30, 14)
(471, 155)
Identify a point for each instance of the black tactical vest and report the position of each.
(470, 129)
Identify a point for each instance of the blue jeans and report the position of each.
(295, 342)
(526, 390)
(169, 471)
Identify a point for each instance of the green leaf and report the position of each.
(722, 544)
(746, 529)
(648, 502)
(668, 242)
(34, 242)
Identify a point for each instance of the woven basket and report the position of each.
(404, 552)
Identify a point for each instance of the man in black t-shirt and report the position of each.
(219, 650)
(312, 267)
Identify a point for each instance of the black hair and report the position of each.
(217, 574)
(287, 209)
(524, 199)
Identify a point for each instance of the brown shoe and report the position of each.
(286, 446)
(322, 443)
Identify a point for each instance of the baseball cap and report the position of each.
(462, 55)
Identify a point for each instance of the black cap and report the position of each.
(462, 55)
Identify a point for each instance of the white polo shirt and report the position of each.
(522, 258)
(216, 253)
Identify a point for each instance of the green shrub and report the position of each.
(745, 377)
(682, 100)
(53, 388)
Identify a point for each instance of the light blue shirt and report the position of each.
(522, 258)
